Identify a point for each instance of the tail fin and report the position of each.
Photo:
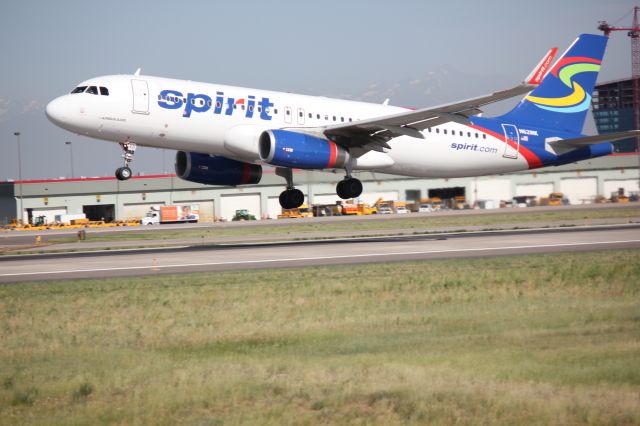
(562, 99)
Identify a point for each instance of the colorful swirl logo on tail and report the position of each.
(565, 69)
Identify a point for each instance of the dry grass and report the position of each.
(526, 339)
(520, 218)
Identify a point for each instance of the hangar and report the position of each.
(106, 198)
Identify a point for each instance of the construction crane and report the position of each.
(634, 33)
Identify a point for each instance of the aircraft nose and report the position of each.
(56, 111)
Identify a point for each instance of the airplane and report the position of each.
(224, 135)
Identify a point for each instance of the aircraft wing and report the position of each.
(373, 134)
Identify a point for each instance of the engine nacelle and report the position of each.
(210, 170)
(301, 151)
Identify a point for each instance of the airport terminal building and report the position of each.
(106, 198)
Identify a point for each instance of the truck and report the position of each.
(157, 215)
(300, 212)
(366, 209)
(383, 206)
(400, 207)
(554, 199)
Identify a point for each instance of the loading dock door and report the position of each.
(579, 190)
(232, 202)
(106, 212)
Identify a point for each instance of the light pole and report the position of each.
(17, 135)
(70, 155)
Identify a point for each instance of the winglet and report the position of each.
(137, 73)
(538, 73)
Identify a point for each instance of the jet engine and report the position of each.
(301, 151)
(211, 170)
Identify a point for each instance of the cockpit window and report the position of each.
(104, 91)
(79, 89)
(93, 90)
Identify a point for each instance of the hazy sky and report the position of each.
(333, 48)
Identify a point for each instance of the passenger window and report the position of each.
(79, 89)
(251, 108)
(318, 116)
(461, 134)
(476, 136)
(342, 119)
(334, 118)
(349, 120)
(218, 104)
(301, 114)
(288, 112)
(468, 134)
(93, 90)
(275, 111)
(310, 115)
(445, 131)
(437, 130)
(259, 109)
(326, 117)
(104, 91)
(484, 136)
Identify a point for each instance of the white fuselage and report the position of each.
(199, 117)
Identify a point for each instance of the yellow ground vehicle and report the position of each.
(555, 198)
(459, 202)
(384, 207)
(365, 209)
(436, 203)
(300, 212)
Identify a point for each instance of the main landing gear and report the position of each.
(290, 198)
(129, 148)
(349, 187)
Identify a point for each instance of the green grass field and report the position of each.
(523, 339)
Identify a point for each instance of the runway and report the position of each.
(225, 257)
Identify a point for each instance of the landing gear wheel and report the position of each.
(349, 188)
(291, 199)
(129, 148)
(123, 173)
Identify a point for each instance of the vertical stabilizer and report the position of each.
(562, 99)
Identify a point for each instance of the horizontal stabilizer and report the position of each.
(561, 146)
(607, 137)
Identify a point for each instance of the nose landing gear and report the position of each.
(129, 148)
